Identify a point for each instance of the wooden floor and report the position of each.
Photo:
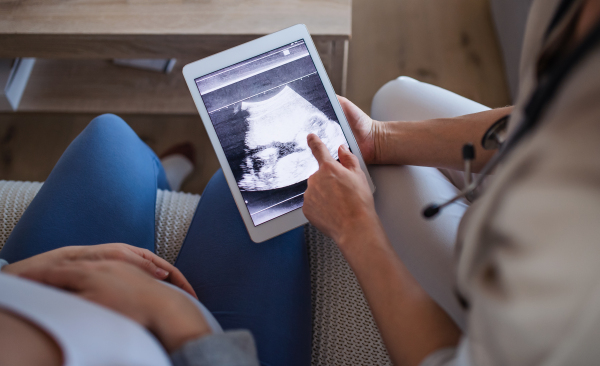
(30, 144)
(449, 43)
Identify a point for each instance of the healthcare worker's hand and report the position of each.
(142, 258)
(367, 131)
(338, 200)
(166, 312)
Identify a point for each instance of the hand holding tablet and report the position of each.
(259, 102)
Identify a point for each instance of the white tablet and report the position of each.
(258, 102)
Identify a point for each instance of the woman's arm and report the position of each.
(338, 202)
(436, 142)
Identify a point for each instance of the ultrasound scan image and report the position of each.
(277, 154)
(263, 110)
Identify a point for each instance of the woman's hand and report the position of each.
(338, 200)
(128, 290)
(142, 258)
(366, 130)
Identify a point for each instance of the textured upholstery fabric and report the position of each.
(344, 332)
(174, 213)
(15, 197)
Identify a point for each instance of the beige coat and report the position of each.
(529, 248)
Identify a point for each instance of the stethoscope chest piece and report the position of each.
(495, 136)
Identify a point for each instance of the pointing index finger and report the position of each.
(318, 148)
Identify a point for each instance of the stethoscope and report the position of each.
(496, 137)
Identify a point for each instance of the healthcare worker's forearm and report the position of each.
(412, 325)
(436, 142)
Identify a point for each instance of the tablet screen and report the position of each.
(262, 110)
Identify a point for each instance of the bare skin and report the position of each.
(22, 343)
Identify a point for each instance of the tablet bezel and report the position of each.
(194, 70)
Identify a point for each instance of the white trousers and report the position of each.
(425, 246)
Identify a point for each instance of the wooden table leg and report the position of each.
(334, 54)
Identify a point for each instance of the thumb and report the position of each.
(348, 160)
(354, 114)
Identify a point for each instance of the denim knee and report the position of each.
(112, 132)
(109, 124)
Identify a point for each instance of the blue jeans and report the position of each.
(103, 190)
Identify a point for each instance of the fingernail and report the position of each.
(161, 273)
(345, 148)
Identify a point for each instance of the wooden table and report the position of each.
(74, 41)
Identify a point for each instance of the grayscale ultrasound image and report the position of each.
(262, 110)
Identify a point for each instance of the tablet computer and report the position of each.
(258, 102)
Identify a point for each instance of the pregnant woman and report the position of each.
(67, 297)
